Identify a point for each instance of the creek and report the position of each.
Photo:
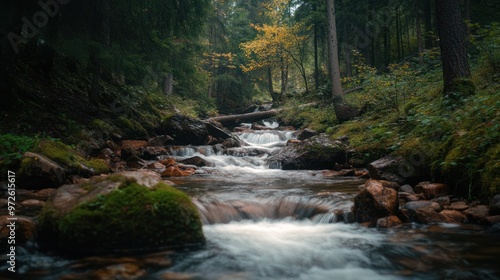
(263, 223)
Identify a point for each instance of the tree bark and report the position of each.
(419, 34)
(343, 111)
(429, 41)
(316, 65)
(337, 91)
(456, 69)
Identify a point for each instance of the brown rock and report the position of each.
(388, 222)
(442, 200)
(458, 206)
(424, 212)
(375, 201)
(389, 184)
(477, 213)
(168, 162)
(25, 230)
(432, 190)
(134, 144)
(174, 171)
(453, 215)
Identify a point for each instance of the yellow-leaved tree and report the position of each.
(277, 45)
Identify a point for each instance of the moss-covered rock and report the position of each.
(70, 159)
(316, 153)
(125, 211)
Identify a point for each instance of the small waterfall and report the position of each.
(214, 211)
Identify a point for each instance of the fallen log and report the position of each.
(233, 120)
(248, 117)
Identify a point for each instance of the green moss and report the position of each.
(131, 128)
(69, 158)
(131, 217)
(98, 165)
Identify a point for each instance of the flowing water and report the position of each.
(266, 223)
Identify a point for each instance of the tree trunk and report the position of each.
(398, 35)
(343, 111)
(333, 51)
(456, 69)
(316, 64)
(419, 34)
(102, 22)
(429, 41)
(270, 80)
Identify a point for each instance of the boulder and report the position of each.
(432, 190)
(424, 212)
(397, 169)
(387, 168)
(495, 205)
(452, 215)
(306, 134)
(184, 130)
(160, 141)
(476, 213)
(120, 212)
(458, 206)
(217, 131)
(40, 172)
(374, 202)
(316, 153)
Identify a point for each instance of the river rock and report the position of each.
(184, 130)
(424, 212)
(458, 205)
(160, 141)
(476, 213)
(495, 205)
(306, 134)
(216, 130)
(387, 168)
(452, 215)
(152, 153)
(40, 172)
(375, 201)
(406, 189)
(388, 222)
(432, 190)
(316, 153)
(197, 161)
(123, 211)
(25, 230)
